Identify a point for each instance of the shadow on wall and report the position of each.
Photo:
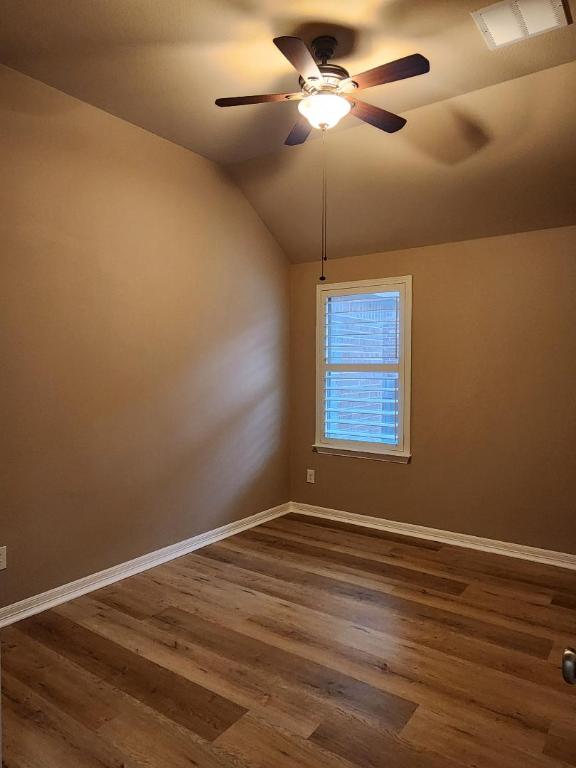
(205, 441)
(138, 417)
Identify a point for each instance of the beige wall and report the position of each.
(494, 391)
(143, 376)
(143, 360)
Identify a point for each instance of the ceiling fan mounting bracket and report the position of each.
(324, 47)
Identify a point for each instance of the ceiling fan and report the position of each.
(327, 92)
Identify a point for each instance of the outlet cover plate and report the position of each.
(2, 558)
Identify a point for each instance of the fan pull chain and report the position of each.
(324, 256)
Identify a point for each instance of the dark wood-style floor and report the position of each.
(298, 644)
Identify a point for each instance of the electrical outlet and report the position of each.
(2, 558)
(310, 475)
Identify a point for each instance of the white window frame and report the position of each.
(323, 444)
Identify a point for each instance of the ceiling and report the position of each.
(486, 149)
(495, 161)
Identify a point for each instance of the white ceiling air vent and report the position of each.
(514, 20)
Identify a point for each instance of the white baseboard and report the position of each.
(521, 551)
(53, 597)
(38, 603)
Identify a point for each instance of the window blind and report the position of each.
(362, 329)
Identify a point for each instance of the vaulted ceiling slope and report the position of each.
(496, 161)
(487, 148)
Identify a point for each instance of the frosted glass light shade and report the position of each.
(324, 110)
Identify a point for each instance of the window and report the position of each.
(363, 368)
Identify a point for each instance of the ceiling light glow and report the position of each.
(324, 110)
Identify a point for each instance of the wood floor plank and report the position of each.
(136, 737)
(134, 599)
(468, 644)
(391, 571)
(493, 691)
(367, 654)
(198, 709)
(424, 596)
(416, 558)
(363, 653)
(433, 686)
(387, 711)
(248, 687)
(57, 679)
(371, 533)
(565, 600)
(396, 666)
(515, 569)
(368, 747)
(39, 734)
(364, 603)
(552, 617)
(561, 741)
(307, 643)
(358, 541)
(454, 739)
(148, 739)
(259, 745)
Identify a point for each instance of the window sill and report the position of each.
(395, 458)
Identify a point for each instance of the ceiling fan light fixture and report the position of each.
(325, 95)
(324, 110)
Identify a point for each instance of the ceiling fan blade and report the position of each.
(409, 66)
(379, 118)
(298, 54)
(236, 101)
(299, 133)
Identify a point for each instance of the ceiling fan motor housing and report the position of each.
(332, 76)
